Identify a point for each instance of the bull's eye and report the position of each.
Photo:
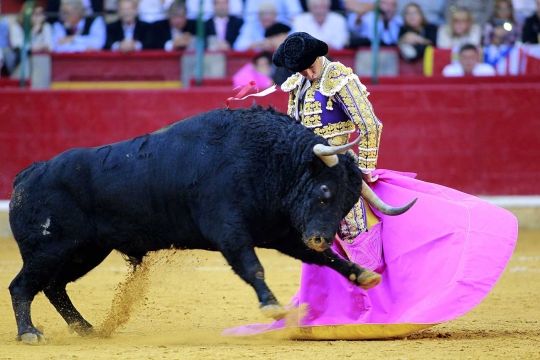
(326, 194)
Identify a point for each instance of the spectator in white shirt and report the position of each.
(151, 11)
(40, 33)
(523, 9)
(75, 33)
(286, 10)
(235, 8)
(359, 7)
(323, 24)
(468, 64)
(252, 33)
(389, 23)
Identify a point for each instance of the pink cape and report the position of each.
(441, 258)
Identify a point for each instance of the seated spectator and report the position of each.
(252, 33)
(258, 70)
(177, 32)
(128, 33)
(222, 30)
(40, 34)
(335, 5)
(388, 27)
(53, 8)
(468, 64)
(359, 7)
(286, 10)
(151, 11)
(416, 33)
(235, 8)
(275, 35)
(323, 24)
(356, 9)
(480, 10)
(523, 9)
(460, 30)
(76, 33)
(7, 56)
(531, 29)
(433, 10)
(501, 28)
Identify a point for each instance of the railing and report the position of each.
(175, 69)
(157, 65)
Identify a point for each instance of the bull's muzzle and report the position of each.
(318, 243)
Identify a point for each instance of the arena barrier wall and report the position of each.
(481, 138)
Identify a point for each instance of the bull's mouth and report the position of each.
(317, 243)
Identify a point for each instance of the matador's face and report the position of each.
(313, 72)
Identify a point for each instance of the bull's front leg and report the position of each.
(243, 260)
(356, 274)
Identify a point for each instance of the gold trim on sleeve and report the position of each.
(335, 76)
(292, 82)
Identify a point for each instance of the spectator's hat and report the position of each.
(299, 51)
(276, 29)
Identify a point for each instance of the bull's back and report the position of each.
(152, 186)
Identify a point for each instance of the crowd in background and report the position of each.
(240, 25)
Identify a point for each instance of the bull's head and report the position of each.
(331, 187)
(333, 192)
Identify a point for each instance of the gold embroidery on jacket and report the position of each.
(339, 84)
(292, 82)
(311, 109)
(290, 106)
(353, 223)
(338, 140)
(331, 130)
(360, 111)
(335, 76)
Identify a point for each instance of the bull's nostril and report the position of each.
(318, 240)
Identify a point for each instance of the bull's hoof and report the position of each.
(32, 339)
(276, 312)
(367, 279)
(81, 329)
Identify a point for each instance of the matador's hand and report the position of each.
(369, 178)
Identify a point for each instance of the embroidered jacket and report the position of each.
(333, 106)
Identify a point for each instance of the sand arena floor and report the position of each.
(186, 299)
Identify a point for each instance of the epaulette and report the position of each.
(335, 77)
(292, 82)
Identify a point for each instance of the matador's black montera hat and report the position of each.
(299, 51)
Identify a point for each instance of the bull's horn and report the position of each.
(328, 154)
(380, 205)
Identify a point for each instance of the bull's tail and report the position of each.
(380, 205)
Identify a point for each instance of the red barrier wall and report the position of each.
(116, 66)
(479, 138)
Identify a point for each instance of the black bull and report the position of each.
(226, 180)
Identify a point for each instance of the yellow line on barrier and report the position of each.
(80, 85)
(428, 61)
